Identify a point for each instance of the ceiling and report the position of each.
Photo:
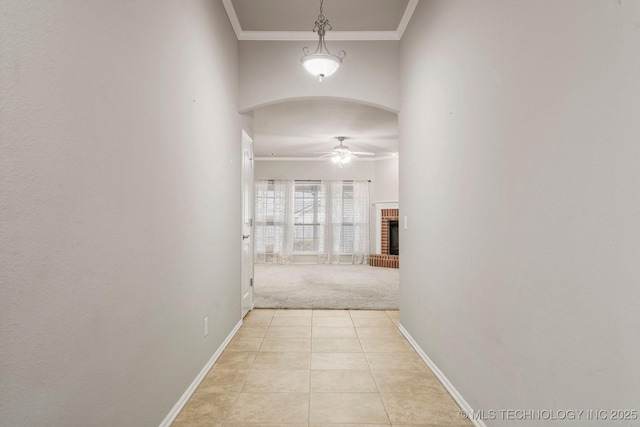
(308, 128)
(294, 19)
(305, 129)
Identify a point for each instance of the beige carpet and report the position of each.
(326, 286)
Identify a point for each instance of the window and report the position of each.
(324, 218)
(308, 217)
(265, 204)
(346, 243)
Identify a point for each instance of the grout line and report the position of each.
(309, 370)
(375, 381)
(235, 402)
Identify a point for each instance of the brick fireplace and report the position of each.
(387, 219)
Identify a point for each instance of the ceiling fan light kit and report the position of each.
(321, 63)
(341, 159)
(342, 155)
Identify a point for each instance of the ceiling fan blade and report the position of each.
(363, 153)
(326, 155)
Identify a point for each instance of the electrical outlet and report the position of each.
(206, 326)
(406, 224)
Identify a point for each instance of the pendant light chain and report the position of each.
(322, 24)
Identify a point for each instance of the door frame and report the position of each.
(246, 139)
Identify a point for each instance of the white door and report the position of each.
(247, 223)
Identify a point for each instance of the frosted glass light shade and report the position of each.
(341, 159)
(321, 64)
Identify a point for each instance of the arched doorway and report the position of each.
(300, 192)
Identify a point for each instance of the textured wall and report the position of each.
(119, 176)
(519, 176)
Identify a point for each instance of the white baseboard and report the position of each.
(442, 378)
(171, 416)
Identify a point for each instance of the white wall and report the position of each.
(386, 190)
(313, 169)
(119, 176)
(386, 179)
(519, 175)
(272, 71)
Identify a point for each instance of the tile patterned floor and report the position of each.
(317, 368)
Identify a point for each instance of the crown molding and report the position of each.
(406, 17)
(292, 159)
(233, 17)
(320, 159)
(310, 36)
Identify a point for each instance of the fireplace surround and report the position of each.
(387, 247)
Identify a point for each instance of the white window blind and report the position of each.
(327, 218)
(268, 203)
(308, 217)
(346, 243)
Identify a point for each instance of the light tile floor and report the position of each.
(320, 368)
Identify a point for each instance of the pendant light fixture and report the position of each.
(321, 63)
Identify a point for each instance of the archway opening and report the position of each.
(319, 236)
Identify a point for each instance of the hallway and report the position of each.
(122, 228)
(319, 368)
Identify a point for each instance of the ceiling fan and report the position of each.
(341, 153)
